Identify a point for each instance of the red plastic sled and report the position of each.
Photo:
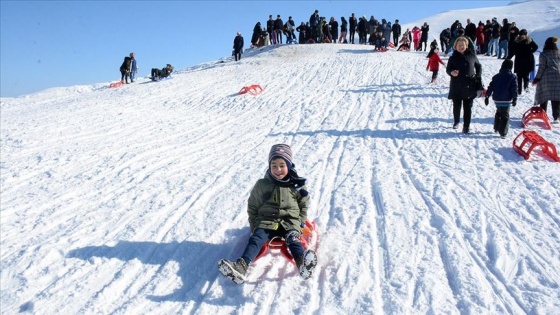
(308, 240)
(528, 140)
(115, 84)
(251, 89)
(535, 112)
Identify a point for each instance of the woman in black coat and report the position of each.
(465, 71)
(523, 48)
(256, 34)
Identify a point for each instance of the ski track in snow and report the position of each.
(123, 201)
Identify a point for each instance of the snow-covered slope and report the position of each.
(541, 18)
(122, 201)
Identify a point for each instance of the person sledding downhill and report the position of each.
(158, 74)
(277, 207)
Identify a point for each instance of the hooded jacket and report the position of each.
(503, 87)
(523, 49)
(271, 205)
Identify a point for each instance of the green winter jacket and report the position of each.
(270, 206)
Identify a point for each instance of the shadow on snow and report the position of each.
(197, 263)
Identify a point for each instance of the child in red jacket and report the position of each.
(433, 63)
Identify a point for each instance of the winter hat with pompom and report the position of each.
(283, 151)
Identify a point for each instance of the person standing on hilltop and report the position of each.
(396, 28)
(133, 67)
(424, 37)
(352, 31)
(238, 46)
(125, 69)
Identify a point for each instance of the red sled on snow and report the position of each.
(308, 240)
(251, 89)
(528, 140)
(116, 84)
(535, 112)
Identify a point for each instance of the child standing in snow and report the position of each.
(503, 90)
(277, 207)
(433, 63)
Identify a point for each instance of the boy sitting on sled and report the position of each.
(277, 206)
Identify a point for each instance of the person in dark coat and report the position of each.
(504, 40)
(278, 29)
(547, 78)
(257, 30)
(333, 26)
(465, 71)
(238, 46)
(444, 38)
(493, 44)
(424, 37)
(353, 22)
(343, 30)
(303, 33)
(270, 28)
(487, 36)
(523, 49)
(125, 69)
(158, 74)
(503, 89)
(362, 29)
(470, 30)
(396, 28)
(513, 33)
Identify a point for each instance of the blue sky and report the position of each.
(63, 43)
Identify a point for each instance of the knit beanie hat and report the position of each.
(507, 64)
(283, 151)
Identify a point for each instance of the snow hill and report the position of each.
(122, 201)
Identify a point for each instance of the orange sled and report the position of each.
(528, 140)
(115, 84)
(278, 244)
(251, 89)
(535, 112)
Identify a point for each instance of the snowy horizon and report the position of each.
(122, 201)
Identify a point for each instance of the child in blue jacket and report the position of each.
(503, 89)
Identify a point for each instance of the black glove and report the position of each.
(514, 102)
(486, 101)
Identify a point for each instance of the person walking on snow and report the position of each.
(465, 72)
(523, 48)
(433, 63)
(503, 89)
(547, 78)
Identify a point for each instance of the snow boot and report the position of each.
(306, 264)
(235, 271)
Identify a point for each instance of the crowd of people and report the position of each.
(504, 41)
(318, 30)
